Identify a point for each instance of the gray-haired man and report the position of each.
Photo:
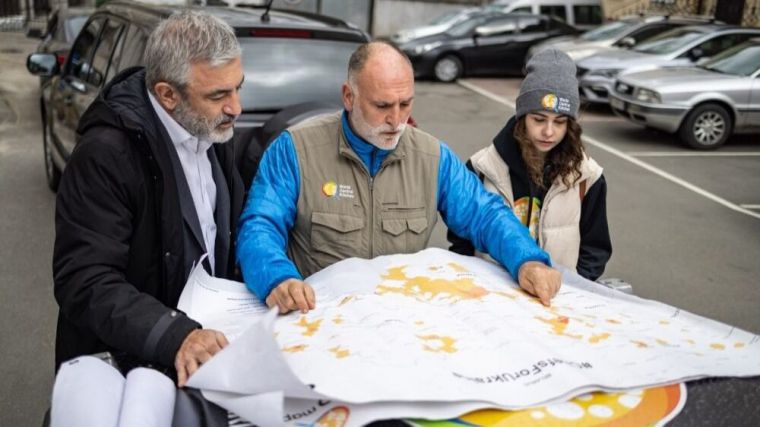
(146, 193)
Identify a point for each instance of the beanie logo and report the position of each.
(549, 102)
(552, 102)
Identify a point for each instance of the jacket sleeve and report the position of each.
(472, 212)
(268, 216)
(458, 244)
(96, 200)
(596, 247)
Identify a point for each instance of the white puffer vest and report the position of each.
(559, 223)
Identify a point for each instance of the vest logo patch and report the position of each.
(331, 189)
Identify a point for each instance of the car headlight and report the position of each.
(427, 47)
(646, 95)
(610, 73)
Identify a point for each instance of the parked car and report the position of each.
(439, 24)
(703, 104)
(584, 14)
(294, 66)
(625, 33)
(482, 45)
(678, 47)
(62, 27)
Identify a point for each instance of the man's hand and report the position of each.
(197, 349)
(539, 280)
(292, 294)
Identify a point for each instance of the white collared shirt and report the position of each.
(193, 156)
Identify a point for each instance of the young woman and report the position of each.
(538, 164)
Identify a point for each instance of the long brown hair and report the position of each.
(563, 161)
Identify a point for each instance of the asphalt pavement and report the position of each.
(27, 308)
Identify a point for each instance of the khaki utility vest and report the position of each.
(559, 225)
(342, 212)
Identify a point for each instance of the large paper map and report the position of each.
(439, 327)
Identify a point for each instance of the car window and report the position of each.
(648, 32)
(608, 31)
(532, 25)
(465, 28)
(721, 43)
(117, 52)
(741, 60)
(135, 41)
(524, 9)
(498, 27)
(102, 58)
(669, 41)
(557, 11)
(285, 71)
(81, 53)
(73, 26)
(587, 14)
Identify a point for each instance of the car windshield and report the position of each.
(285, 71)
(608, 31)
(669, 41)
(73, 25)
(740, 60)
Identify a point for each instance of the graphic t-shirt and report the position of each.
(528, 210)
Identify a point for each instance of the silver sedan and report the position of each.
(703, 104)
(679, 47)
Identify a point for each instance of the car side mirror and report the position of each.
(35, 33)
(627, 42)
(42, 64)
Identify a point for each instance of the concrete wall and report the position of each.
(393, 15)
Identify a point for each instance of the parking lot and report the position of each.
(685, 225)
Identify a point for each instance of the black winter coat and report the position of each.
(118, 259)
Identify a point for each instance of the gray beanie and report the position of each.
(549, 85)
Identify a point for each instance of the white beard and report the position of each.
(202, 127)
(374, 135)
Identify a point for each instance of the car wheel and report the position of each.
(52, 173)
(707, 127)
(448, 68)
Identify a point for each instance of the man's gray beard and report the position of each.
(202, 127)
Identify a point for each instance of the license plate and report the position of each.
(617, 104)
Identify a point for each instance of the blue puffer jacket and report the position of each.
(466, 207)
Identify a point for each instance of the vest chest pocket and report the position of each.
(404, 235)
(335, 237)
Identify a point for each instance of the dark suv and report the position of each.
(294, 65)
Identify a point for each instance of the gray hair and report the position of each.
(184, 38)
(359, 58)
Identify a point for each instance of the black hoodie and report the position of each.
(118, 261)
(595, 248)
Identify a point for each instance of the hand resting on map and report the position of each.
(539, 280)
(292, 294)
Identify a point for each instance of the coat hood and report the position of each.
(123, 103)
